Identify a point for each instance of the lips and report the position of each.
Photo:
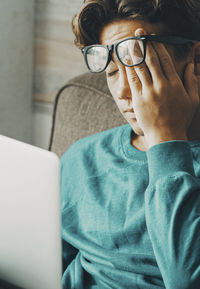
(130, 113)
(129, 110)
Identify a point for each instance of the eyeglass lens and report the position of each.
(130, 52)
(97, 57)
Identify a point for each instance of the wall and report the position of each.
(16, 67)
(56, 60)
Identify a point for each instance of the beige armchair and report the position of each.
(84, 106)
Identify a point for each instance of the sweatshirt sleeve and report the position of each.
(172, 207)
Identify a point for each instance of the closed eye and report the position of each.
(110, 74)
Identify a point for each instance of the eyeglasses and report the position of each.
(130, 51)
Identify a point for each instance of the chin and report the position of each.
(136, 128)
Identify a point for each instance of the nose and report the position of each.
(124, 91)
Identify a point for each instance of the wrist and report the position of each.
(169, 158)
(164, 136)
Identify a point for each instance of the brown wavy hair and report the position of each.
(180, 17)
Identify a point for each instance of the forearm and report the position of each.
(172, 205)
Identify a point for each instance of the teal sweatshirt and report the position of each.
(130, 219)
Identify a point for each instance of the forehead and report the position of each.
(119, 29)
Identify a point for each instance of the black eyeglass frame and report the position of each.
(176, 40)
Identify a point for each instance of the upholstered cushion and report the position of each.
(83, 107)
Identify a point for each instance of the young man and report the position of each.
(131, 195)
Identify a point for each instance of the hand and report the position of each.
(163, 107)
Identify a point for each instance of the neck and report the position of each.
(139, 142)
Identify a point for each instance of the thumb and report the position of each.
(191, 82)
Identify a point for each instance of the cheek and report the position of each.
(113, 87)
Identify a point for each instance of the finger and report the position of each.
(165, 61)
(133, 80)
(153, 64)
(137, 54)
(197, 60)
(197, 65)
(198, 79)
(191, 83)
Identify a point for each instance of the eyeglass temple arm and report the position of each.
(168, 39)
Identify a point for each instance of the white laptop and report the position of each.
(30, 227)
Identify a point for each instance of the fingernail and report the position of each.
(139, 31)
